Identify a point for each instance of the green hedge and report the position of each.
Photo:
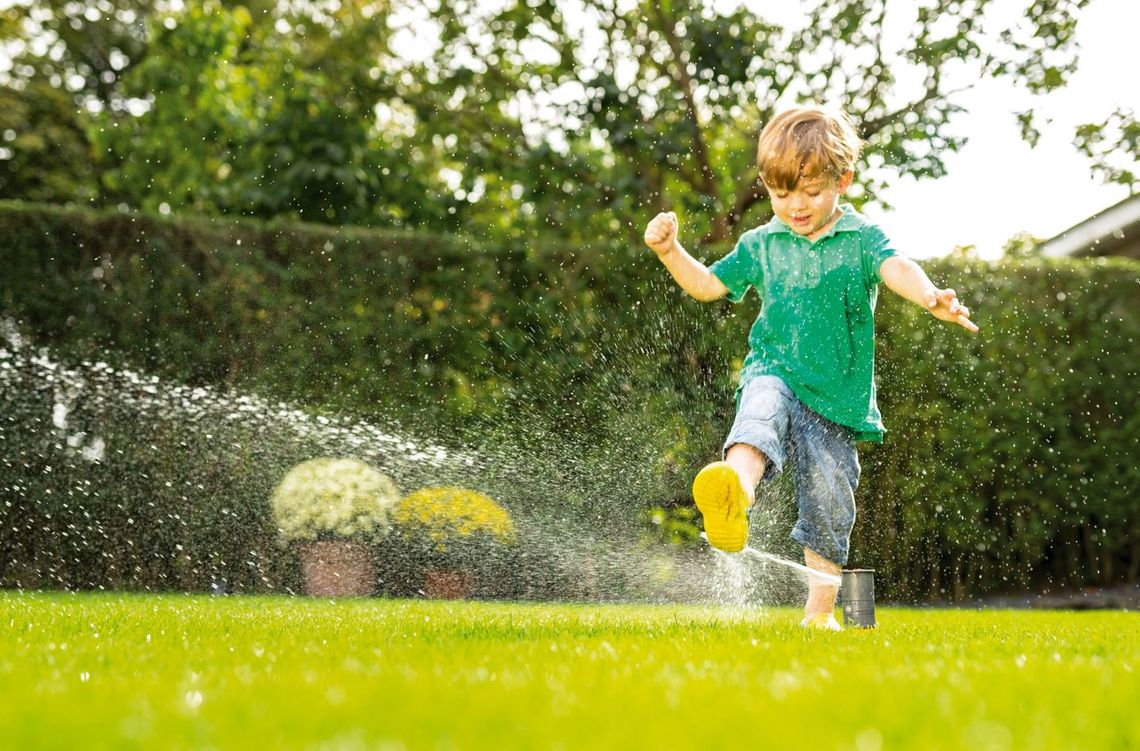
(588, 384)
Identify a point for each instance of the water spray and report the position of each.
(201, 446)
(823, 576)
(762, 555)
(856, 586)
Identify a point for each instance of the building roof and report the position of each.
(1108, 232)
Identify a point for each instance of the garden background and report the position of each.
(270, 200)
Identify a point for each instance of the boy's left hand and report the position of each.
(943, 304)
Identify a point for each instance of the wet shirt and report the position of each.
(816, 324)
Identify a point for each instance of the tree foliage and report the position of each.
(1113, 147)
(66, 60)
(506, 118)
(633, 106)
(266, 114)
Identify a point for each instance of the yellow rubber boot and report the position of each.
(723, 503)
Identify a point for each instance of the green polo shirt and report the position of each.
(816, 325)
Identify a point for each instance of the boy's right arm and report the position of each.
(693, 276)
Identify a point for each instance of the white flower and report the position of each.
(329, 497)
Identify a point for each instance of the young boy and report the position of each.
(807, 389)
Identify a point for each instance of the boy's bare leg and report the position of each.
(821, 595)
(749, 464)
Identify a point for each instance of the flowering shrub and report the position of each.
(452, 520)
(324, 499)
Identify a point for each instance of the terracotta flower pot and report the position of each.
(448, 584)
(337, 568)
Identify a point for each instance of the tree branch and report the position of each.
(870, 128)
(680, 75)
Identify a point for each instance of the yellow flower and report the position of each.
(446, 514)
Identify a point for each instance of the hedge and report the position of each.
(586, 386)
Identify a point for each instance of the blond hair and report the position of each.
(806, 142)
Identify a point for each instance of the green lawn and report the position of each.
(169, 672)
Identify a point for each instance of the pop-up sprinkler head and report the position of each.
(857, 595)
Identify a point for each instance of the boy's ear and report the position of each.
(845, 181)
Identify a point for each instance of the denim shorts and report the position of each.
(822, 456)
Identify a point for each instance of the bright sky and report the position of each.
(997, 185)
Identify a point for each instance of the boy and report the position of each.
(807, 390)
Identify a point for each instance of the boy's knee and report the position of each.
(747, 452)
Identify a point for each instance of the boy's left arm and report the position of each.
(907, 279)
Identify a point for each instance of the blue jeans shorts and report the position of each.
(821, 454)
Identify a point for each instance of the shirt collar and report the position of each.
(850, 221)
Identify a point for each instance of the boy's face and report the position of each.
(810, 206)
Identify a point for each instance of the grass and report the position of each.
(143, 671)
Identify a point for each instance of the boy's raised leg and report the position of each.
(723, 492)
(820, 609)
(749, 463)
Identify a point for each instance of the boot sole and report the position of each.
(724, 505)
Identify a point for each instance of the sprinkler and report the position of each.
(857, 596)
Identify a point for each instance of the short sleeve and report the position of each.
(739, 269)
(877, 248)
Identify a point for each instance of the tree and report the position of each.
(601, 117)
(575, 118)
(266, 115)
(44, 151)
(1113, 148)
(256, 108)
(67, 61)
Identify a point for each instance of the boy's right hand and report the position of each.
(661, 234)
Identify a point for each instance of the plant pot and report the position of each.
(337, 568)
(448, 584)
